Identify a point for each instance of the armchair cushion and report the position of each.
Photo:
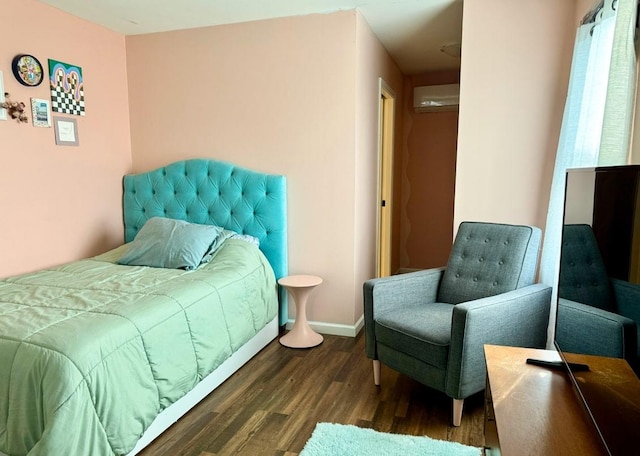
(387, 294)
(488, 259)
(423, 331)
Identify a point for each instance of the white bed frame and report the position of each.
(175, 411)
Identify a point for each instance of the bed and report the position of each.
(100, 357)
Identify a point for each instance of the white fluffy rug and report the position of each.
(329, 439)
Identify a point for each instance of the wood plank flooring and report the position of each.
(272, 404)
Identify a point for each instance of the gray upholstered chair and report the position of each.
(432, 325)
(597, 314)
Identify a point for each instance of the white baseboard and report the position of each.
(333, 329)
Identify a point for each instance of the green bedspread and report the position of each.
(91, 351)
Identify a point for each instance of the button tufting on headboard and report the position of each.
(216, 193)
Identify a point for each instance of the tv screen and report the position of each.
(598, 305)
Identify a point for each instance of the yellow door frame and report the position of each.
(386, 119)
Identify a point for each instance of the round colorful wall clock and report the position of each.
(27, 70)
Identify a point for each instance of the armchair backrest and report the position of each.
(488, 259)
(583, 275)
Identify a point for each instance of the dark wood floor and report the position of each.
(272, 404)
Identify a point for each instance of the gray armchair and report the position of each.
(432, 325)
(597, 314)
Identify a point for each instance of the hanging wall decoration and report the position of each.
(40, 111)
(14, 108)
(67, 88)
(27, 70)
(66, 131)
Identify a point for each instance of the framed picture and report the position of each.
(3, 112)
(66, 130)
(41, 110)
(67, 88)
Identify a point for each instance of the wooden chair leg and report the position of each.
(376, 372)
(457, 411)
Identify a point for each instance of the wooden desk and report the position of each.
(533, 410)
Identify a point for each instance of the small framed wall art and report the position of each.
(41, 111)
(66, 130)
(67, 88)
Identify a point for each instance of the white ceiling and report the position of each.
(413, 31)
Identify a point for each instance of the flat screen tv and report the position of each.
(598, 307)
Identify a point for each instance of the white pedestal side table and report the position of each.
(301, 335)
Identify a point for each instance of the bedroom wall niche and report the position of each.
(428, 178)
(64, 203)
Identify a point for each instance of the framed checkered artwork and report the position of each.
(67, 88)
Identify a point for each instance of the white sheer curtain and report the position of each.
(598, 114)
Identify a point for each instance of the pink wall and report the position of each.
(372, 63)
(279, 96)
(514, 80)
(293, 96)
(429, 173)
(62, 203)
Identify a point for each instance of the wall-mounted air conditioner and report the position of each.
(444, 97)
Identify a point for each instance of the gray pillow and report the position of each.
(223, 236)
(169, 243)
(216, 244)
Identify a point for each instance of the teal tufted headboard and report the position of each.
(212, 192)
